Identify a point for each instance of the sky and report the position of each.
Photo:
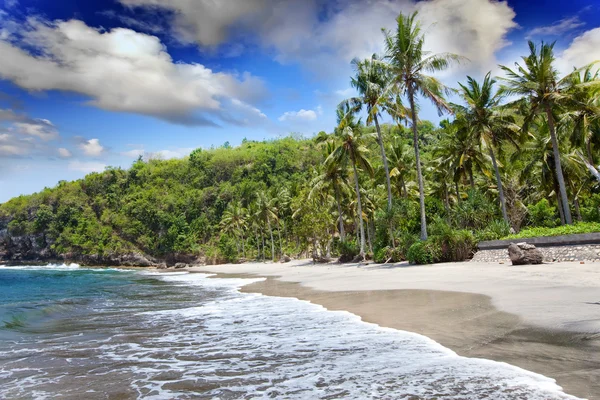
(89, 84)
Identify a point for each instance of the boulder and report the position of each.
(180, 265)
(524, 253)
(285, 259)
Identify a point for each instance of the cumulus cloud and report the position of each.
(583, 50)
(91, 147)
(64, 153)
(319, 34)
(21, 135)
(557, 28)
(299, 116)
(86, 166)
(120, 70)
(161, 154)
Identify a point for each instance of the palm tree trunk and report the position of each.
(243, 246)
(360, 217)
(272, 242)
(262, 236)
(446, 199)
(385, 163)
(471, 178)
(341, 217)
(577, 209)
(557, 165)
(404, 187)
(458, 199)
(500, 189)
(561, 210)
(280, 246)
(413, 111)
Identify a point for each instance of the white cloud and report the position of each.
(135, 153)
(21, 135)
(91, 147)
(161, 154)
(86, 166)
(41, 128)
(584, 49)
(299, 116)
(557, 28)
(120, 70)
(322, 35)
(64, 153)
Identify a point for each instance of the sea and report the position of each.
(70, 332)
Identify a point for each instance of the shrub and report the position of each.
(388, 254)
(424, 252)
(495, 230)
(348, 250)
(582, 227)
(476, 212)
(227, 249)
(454, 245)
(542, 214)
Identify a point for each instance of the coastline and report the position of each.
(541, 318)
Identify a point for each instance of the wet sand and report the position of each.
(554, 333)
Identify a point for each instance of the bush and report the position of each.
(494, 231)
(227, 249)
(348, 250)
(454, 245)
(476, 212)
(424, 252)
(388, 254)
(542, 214)
(582, 227)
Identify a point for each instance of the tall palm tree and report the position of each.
(400, 160)
(488, 124)
(409, 65)
(538, 81)
(267, 213)
(584, 110)
(350, 149)
(233, 221)
(370, 80)
(333, 176)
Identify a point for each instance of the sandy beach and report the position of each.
(543, 318)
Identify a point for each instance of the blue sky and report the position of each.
(85, 84)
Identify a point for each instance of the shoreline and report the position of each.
(470, 322)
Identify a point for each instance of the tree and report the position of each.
(487, 123)
(370, 80)
(538, 81)
(409, 64)
(233, 221)
(333, 176)
(267, 212)
(350, 149)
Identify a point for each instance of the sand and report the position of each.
(543, 318)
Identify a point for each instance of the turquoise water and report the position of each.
(79, 333)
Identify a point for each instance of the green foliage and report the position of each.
(494, 231)
(454, 245)
(542, 214)
(424, 252)
(582, 227)
(348, 250)
(227, 249)
(475, 212)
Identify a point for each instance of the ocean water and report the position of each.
(76, 333)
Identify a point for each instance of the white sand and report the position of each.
(556, 296)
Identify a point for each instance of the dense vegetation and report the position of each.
(390, 191)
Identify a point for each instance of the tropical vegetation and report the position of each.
(516, 153)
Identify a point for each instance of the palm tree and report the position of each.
(409, 64)
(350, 149)
(538, 81)
(584, 110)
(400, 159)
(233, 221)
(333, 176)
(487, 123)
(370, 81)
(267, 212)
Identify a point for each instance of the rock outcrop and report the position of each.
(524, 253)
